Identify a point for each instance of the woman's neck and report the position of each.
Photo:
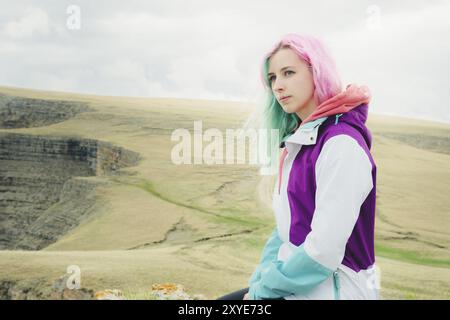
(307, 110)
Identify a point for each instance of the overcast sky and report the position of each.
(212, 49)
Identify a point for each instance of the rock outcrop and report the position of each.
(42, 193)
(40, 289)
(20, 112)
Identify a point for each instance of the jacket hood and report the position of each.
(350, 106)
(343, 102)
(357, 118)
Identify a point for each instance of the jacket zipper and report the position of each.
(337, 285)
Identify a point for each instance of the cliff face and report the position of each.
(20, 112)
(42, 190)
(41, 197)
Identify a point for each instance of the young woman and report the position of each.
(324, 197)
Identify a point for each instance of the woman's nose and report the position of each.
(278, 86)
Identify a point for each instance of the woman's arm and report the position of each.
(269, 254)
(344, 180)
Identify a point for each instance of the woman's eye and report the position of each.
(271, 78)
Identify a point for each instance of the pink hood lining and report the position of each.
(343, 102)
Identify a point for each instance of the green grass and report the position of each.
(409, 256)
(231, 216)
(411, 181)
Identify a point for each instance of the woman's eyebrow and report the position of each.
(280, 69)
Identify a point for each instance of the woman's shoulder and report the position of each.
(331, 130)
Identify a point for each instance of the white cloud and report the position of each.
(213, 50)
(34, 22)
(405, 63)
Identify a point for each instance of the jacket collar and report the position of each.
(306, 134)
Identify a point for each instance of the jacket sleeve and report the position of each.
(343, 180)
(269, 254)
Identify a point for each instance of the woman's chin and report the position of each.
(288, 110)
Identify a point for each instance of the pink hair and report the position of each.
(327, 82)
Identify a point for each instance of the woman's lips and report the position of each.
(285, 98)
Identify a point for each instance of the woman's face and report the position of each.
(291, 77)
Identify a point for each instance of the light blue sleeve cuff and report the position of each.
(269, 254)
(252, 293)
(297, 275)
